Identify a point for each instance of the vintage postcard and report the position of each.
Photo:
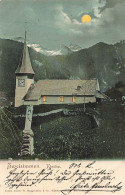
(62, 97)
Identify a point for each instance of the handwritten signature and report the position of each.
(76, 177)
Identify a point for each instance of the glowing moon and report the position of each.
(86, 19)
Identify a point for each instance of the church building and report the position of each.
(27, 92)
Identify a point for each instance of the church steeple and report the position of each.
(25, 66)
(24, 76)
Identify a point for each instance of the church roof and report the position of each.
(61, 87)
(25, 65)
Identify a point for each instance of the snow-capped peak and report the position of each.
(44, 51)
(74, 47)
(64, 50)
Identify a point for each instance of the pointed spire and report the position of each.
(25, 65)
(25, 35)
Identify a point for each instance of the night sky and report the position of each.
(52, 23)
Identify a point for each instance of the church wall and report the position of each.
(20, 92)
(67, 100)
(56, 100)
(86, 99)
(38, 102)
(29, 82)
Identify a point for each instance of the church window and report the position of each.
(61, 99)
(44, 98)
(74, 98)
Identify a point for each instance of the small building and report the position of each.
(28, 92)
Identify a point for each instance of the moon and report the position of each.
(86, 18)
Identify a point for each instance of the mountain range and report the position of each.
(102, 61)
(64, 50)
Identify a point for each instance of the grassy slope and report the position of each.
(72, 137)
